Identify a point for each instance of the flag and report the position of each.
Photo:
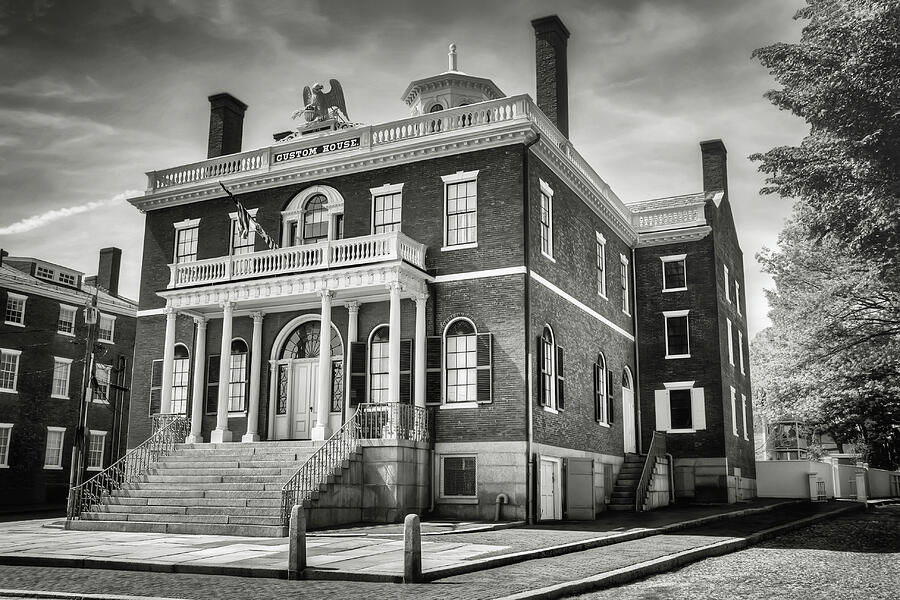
(246, 222)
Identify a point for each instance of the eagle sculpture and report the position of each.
(319, 105)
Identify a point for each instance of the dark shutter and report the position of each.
(610, 397)
(560, 380)
(542, 396)
(156, 386)
(406, 367)
(433, 369)
(358, 354)
(598, 397)
(484, 360)
(212, 384)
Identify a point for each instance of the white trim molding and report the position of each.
(582, 306)
(479, 274)
(186, 223)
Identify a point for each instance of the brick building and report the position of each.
(466, 262)
(42, 343)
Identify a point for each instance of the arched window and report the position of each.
(303, 343)
(602, 404)
(626, 378)
(461, 361)
(180, 378)
(314, 215)
(550, 366)
(378, 364)
(436, 107)
(237, 381)
(315, 220)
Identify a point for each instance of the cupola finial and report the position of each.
(451, 57)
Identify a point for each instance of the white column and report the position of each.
(165, 404)
(421, 299)
(196, 436)
(321, 431)
(352, 335)
(394, 344)
(221, 433)
(255, 363)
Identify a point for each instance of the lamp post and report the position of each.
(76, 468)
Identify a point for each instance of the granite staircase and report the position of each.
(215, 489)
(623, 495)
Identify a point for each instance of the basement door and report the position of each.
(551, 492)
(303, 397)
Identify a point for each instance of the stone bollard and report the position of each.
(412, 549)
(297, 537)
(861, 487)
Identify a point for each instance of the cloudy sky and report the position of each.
(93, 94)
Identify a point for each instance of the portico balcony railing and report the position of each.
(334, 254)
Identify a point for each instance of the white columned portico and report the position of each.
(165, 403)
(255, 364)
(221, 433)
(323, 401)
(421, 299)
(196, 436)
(394, 344)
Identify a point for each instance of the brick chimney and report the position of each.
(715, 166)
(3, 254)
(226, 125)
(108, 270)
(551, 40)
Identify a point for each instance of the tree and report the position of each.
(832, 356)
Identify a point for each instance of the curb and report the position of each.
(479, 529)
(74, 595)
(673, 561)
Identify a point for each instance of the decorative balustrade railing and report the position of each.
(297, 259)
(657, 450)
(372, 421)
(131, 467)
(668, 217)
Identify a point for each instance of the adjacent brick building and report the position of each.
(42, 344)
(534, 321)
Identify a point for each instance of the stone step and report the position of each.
(224, 519)
(229, 464)
(251, 445)
(233, 511)
(621, 507)
(621, 501)
(190, 528)
(236, 502)
(622, 494)
(223, 472)
(226, 486)
(202, 479)
(188, 494)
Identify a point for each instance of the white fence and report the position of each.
(791, 479)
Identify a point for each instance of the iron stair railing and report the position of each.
(657, 449)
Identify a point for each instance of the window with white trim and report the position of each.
(727, 283)
(181, 368)
(460, 210)
(9, 369)
(677, 334)
(237, 382)
(103, 374)
(601, 265)
(67, 279)
(741, 350)
(734, 419)
(674, 273)
(96, 447)
(5, 437)
(737, 297)
(680, 408)
(623, 271)
(379, 362)
(552, 375)
(106, 329)
(459, 476)
(315, 220)
(53, 453)
(15, 309)
(66, 323)
(44, 272)
(62, 368)
(730, 342)
(546, 220)
(246, 243)
(461, 362)
(601, 390)
(745, 413)
(186, 235)
(387, 202)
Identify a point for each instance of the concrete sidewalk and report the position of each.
(373, 553)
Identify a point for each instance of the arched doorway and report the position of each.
(628, 424)
(296, 373)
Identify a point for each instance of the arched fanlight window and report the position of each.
(304, 342)
(237, 380)
(461, 361)
(314, 215)
(180, 379)
(626, 378)
(315, 220)
(378, 364)
(436, 107)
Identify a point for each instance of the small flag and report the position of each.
(246, 223)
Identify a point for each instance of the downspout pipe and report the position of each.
(637, 359)
(529, 415)
(500, 500)
(671, 460)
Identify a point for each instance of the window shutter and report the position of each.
(358, 352)
(663, 416)
(542, 396)
(212, 384)
(156, 386)
(433, 369)
(597, 398)
(560, 380)
(610, 397)
(698, 408)
(484, 360)
(406, 349)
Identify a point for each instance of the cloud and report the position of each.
(42, 219)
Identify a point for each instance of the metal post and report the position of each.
(76, 469)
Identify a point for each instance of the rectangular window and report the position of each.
(67, 279)
(677, 334)
(387, 201)
(15, 309)
(95, 450)
(186, 243)
(237, 388)
(212, 384)
(106, 328)
(458, 477)
(680, 409)
(66, 323)
(54, 451)
(730, 342)
(9, 369)
(180, 377)
(460, 209)
(674, 274)
(737, 297)
(727, 283)
(623, 270)
(546, 220)
(741, 350)
(378, 372)
(5, 437)
(462, 368)
(61, 371)
(601, 265)
(103, 373)
(242, 244)
(745, 413)
(44, 272)
(734, 419)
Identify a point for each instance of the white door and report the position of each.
(303, 400)
(551, 506)
(628, 419)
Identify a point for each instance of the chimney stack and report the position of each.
(715, 166)
(226, 125)
(108, 270)
(3, 254)
(551, 40)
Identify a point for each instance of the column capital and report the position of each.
(257, 316)
(393, 285)
(421, 298)
(326, 294)
(227, 306)
(352, 306)
(200, 321)
(170, 311)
